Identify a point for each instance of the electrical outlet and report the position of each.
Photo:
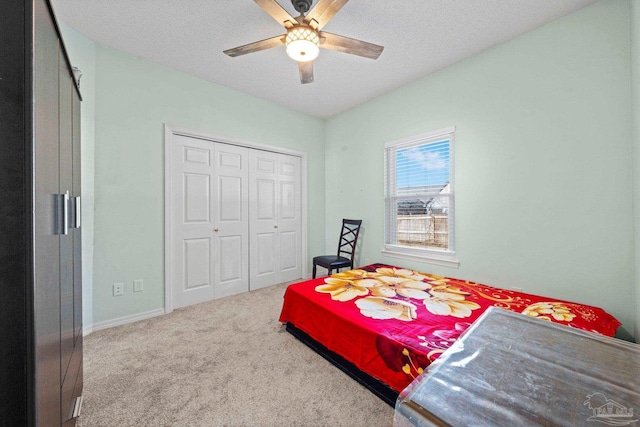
(118, 289)
(138, 285)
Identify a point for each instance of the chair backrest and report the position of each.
(349, 237)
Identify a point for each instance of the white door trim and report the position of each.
(169, 132)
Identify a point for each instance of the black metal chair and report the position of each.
(346, 246)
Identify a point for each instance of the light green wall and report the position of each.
(543, 169)
(635, 112)
(134, 99)
(82, 53)
(543, 157)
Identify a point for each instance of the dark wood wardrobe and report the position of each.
(40, 224)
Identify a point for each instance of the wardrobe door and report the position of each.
(70, 242)
(48, 211)
(15, 215)
(67, 338)
(77, 229)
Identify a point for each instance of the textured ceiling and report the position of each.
(419, 36)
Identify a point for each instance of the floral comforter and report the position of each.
(393, 322)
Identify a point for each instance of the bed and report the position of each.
(383, 325)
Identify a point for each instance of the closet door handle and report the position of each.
(275, 226)
(215, 229)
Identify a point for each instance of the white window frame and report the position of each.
(443, 257)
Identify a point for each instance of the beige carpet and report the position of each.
(227, 362)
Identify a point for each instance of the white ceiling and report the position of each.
(419, 36)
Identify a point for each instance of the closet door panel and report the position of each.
(192, 215)
(46, 239)
(288, 251)
(197, 260)
(265, 199)
(196, 202)
(265, 264)
(264, 259)
(263, 220)
(230, 268)
(274, 203)
(231, 236)
(289, 218)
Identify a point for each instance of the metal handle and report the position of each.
(62, 214)
(77, 215)
(215, 229)
(275, 226)
(65, 215)
(77, 407)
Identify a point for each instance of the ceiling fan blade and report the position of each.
(348, 45)
(277, 12)
(323, 12)
(255, 46)
(306, 72)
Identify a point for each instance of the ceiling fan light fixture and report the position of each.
(303, 43)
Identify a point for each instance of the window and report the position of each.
(420, 198)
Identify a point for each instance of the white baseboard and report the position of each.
(122, 321)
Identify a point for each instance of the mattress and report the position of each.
(392, 322)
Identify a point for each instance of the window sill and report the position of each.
(443, 259)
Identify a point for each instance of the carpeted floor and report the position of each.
(226, 362)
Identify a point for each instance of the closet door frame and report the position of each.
(169, 132)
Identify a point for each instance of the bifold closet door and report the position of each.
(209, 220)
(274, 218)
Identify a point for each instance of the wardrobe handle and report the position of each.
(65, 229)
(77, 208)
(215, 229)
(77, 407)
(63, 213)
(275, 226)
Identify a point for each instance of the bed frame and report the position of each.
(377, 387)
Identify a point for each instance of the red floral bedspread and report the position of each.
(393, 322)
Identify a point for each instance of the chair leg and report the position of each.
(329, 273)
(314, 271)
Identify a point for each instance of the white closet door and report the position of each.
(289, 218)
(274, 218)
(263, 220)
(209, 220)
(192, 221)
(231, 219)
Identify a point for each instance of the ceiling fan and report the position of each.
(304, 37)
